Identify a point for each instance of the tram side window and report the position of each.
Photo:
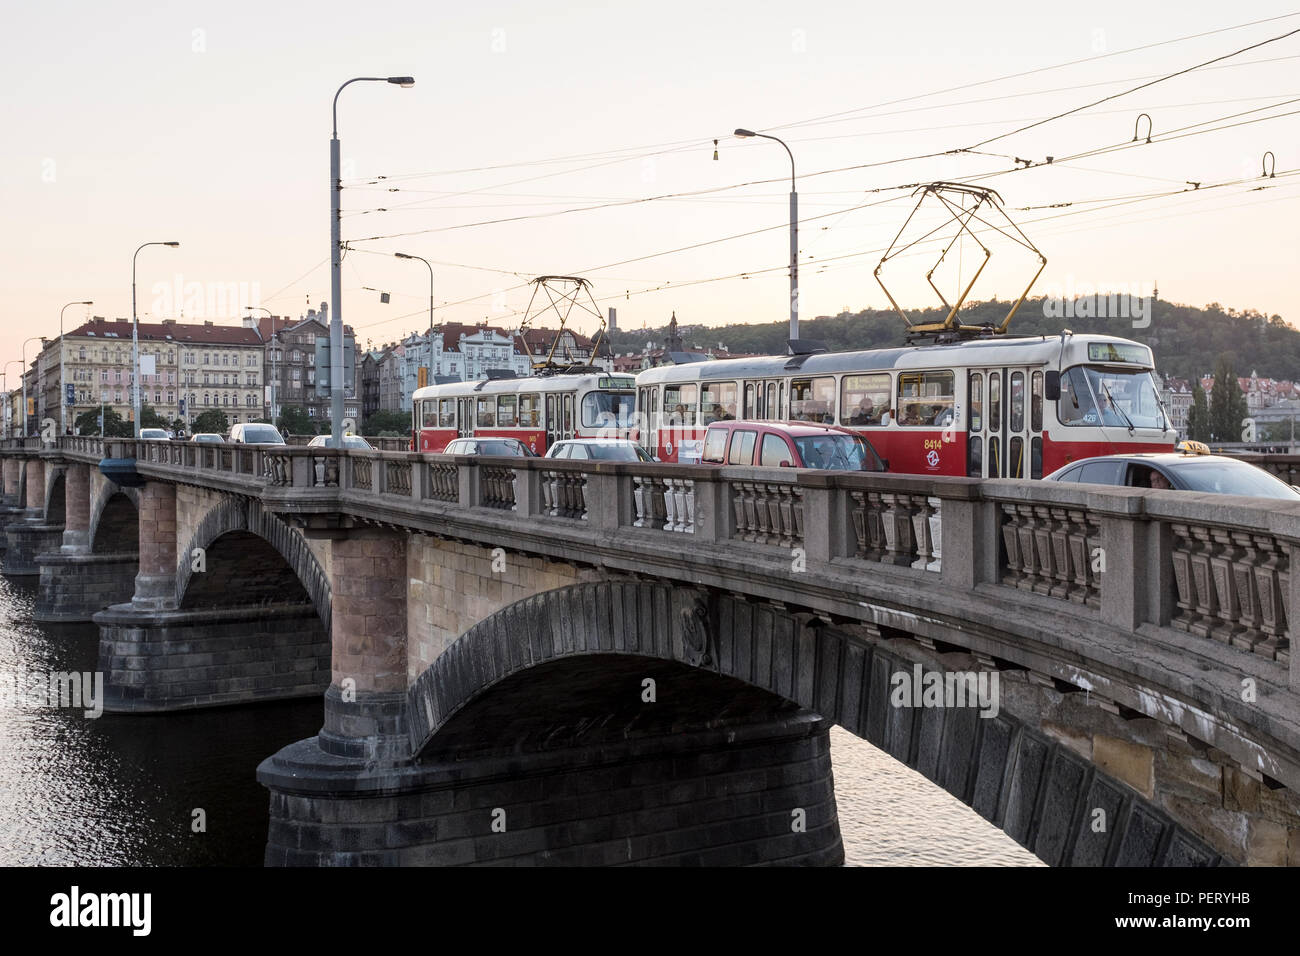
(718, 402)
(530, 410)
(446, 413)
(507, 411)
(976, 402)
(1036, 404)
(679, 404)
(429, 414)
(925, 399)
(813, 400)
(995, 402)
(487, 413)
(772, 410)
(1017, 402)
(863, 399)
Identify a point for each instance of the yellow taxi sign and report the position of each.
(1190, 447)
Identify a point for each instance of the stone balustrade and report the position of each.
(1208, 565)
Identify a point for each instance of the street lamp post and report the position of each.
(273, 382)
(135, 339)
(336, 262)
(403, 255)
(63, 400)
(794, 234)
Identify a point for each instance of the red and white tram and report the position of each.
(538, 410)
(984, 407)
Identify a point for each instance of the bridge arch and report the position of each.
(239, 535)
(514, 671)
(115, 521)
(56, 499)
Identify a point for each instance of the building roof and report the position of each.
(207, 333)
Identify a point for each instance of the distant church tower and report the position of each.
(673, 341)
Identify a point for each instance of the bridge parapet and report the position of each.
(1096, 574)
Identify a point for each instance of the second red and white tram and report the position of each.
(538, 410)
(989, 407)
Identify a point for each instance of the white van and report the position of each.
(255, 433)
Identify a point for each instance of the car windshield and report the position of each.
(838, 452)
(211, 438)
(1109, 396)
(1232, 478)
(500, 448)
(608, 409)
(152, 433)
(617, 452)
(349, 441)
(262, 434)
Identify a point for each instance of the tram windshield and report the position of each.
(1109, 396)
(608, 409)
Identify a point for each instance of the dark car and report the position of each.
(509, 447)
(789, 445)
(1212, 474)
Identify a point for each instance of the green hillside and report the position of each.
(1186, 340)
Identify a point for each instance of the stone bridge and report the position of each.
(526, 660)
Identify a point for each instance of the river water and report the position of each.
(128, 790)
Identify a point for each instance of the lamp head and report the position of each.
(406, 82)
(85, 303)
(403, 255)
(744, 133)
(171, 244)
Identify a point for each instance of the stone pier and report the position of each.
(33, 535)
(77, 580)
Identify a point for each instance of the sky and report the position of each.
(209, 124)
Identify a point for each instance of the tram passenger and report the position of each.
(730, 414)
(865, 413)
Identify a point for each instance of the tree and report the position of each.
(149, 417)
(115, 426)
(294, 420)
(1227, 402)
(387, 423)
(1198, 416)
(213, 420)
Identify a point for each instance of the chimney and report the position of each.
(208, 323)
(97, 320)
(168, 321)
(248, 321)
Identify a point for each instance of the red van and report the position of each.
(789, 445)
